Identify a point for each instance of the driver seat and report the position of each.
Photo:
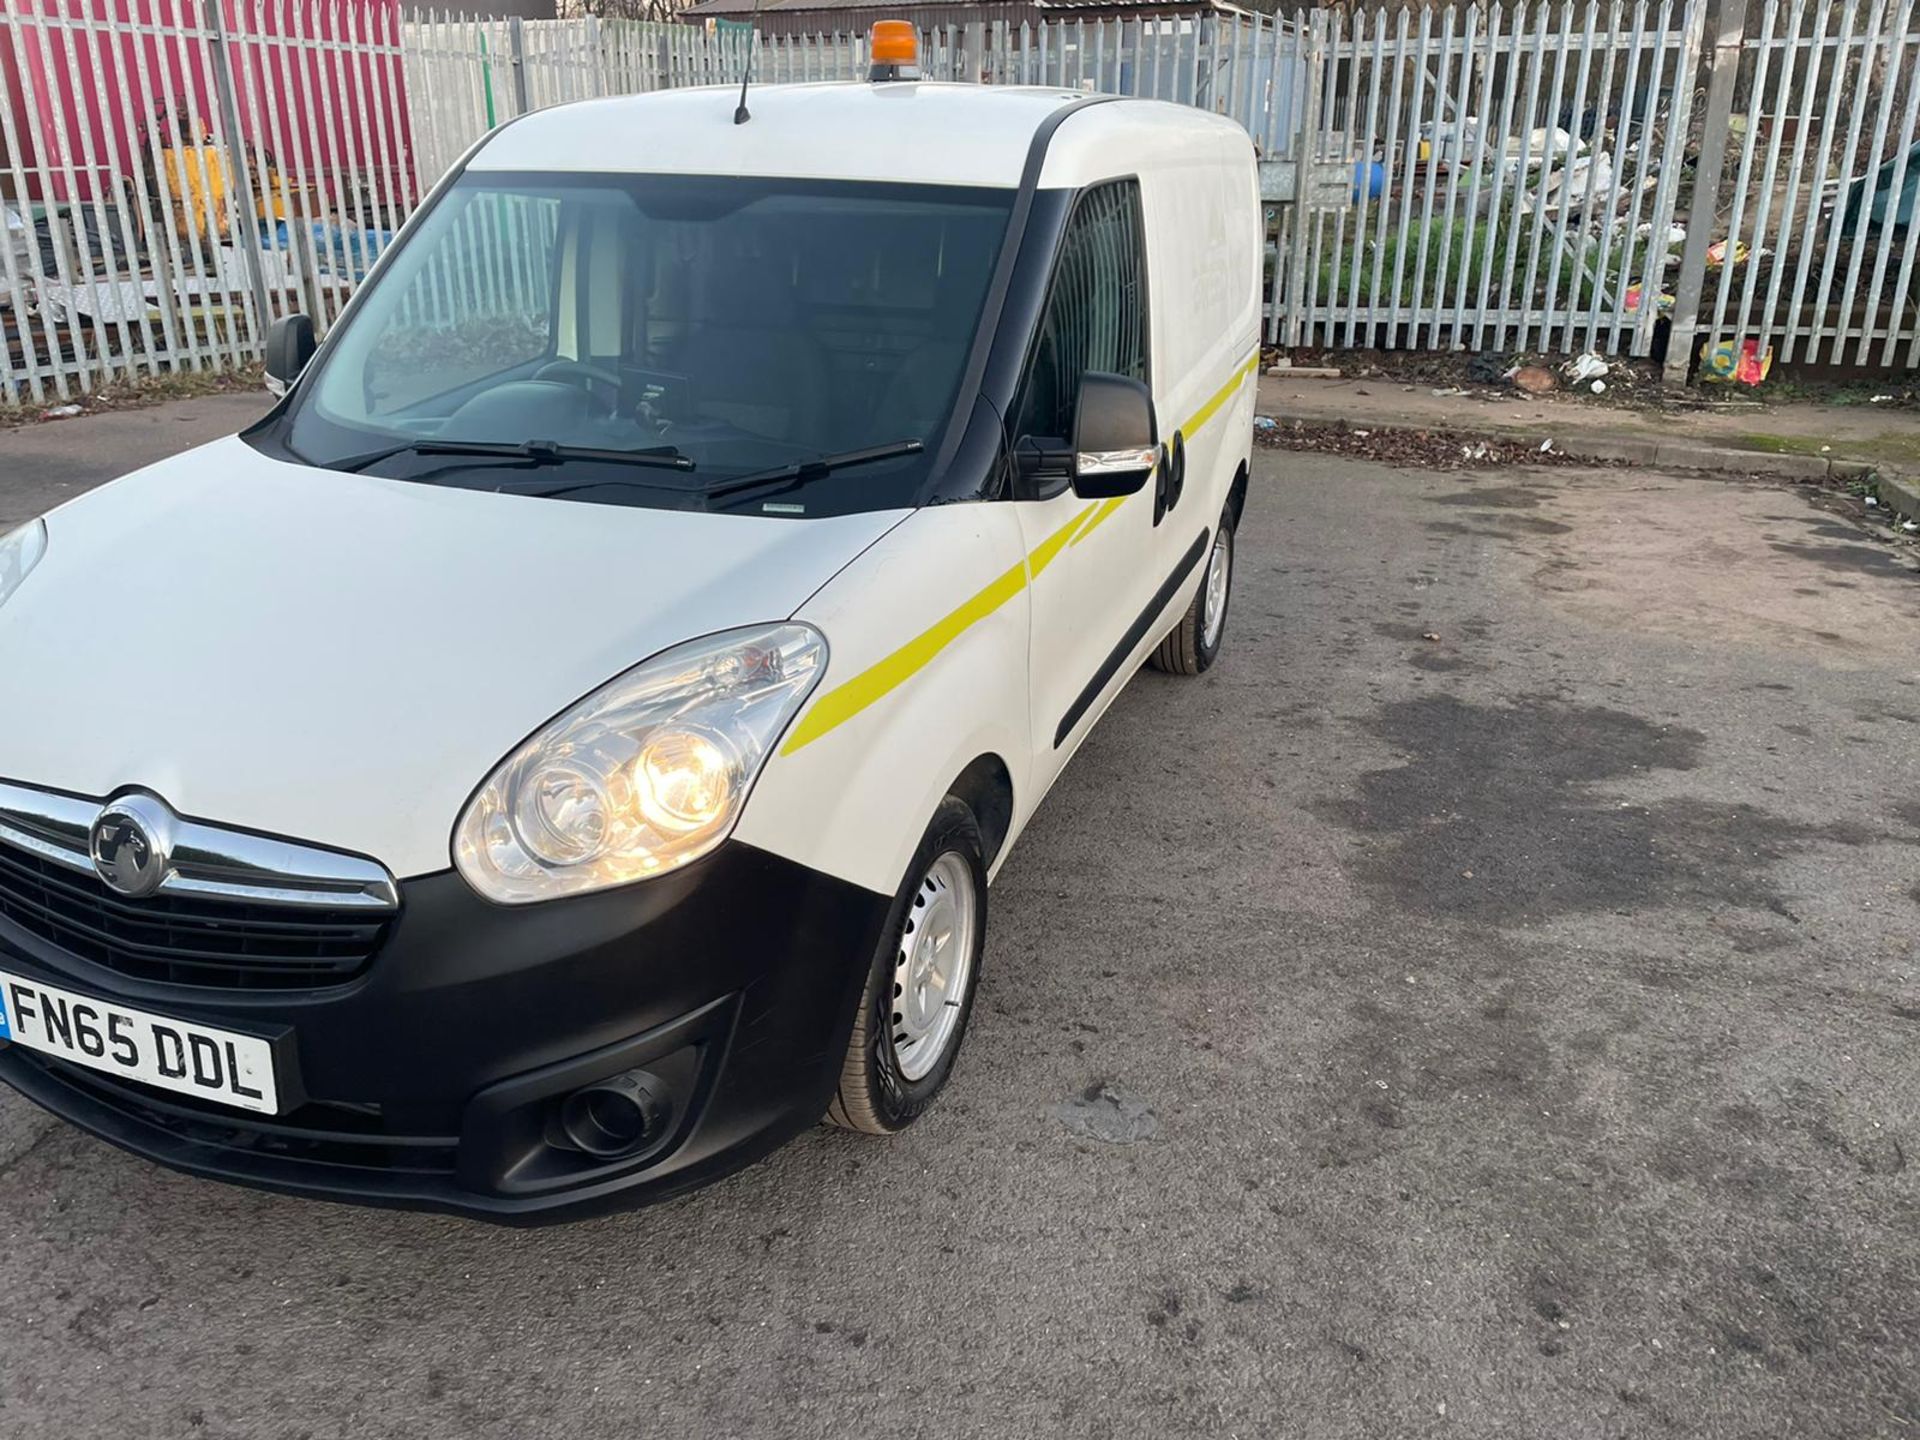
(749, 363)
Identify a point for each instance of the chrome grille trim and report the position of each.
(209, 862)
(54, 827)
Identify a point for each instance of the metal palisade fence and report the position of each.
(1574, 176)
(467, 75)
(175, 174)
(1821, 167)
(1504, 178)
(1626, 176)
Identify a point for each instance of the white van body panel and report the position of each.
(969, 630)
(341, 659)
(924, 132)
(927, 671)
(1201, 194)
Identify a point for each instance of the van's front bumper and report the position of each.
(433, 1081)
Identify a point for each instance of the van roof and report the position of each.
(930, 132)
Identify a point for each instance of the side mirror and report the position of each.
(290, 345)
(1115, 437)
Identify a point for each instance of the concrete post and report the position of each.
(1727, 23)
(517, 63)
(246, 232)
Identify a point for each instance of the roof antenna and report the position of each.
(740, 112)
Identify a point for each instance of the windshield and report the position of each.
(725, 327)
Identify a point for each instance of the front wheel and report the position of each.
(1193, 644)
(919, 992)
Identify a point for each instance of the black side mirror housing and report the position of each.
(290, 345)
(1115, 436)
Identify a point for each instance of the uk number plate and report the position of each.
(177, 1055)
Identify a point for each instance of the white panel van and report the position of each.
(561, 752)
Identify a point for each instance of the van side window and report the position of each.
(1096, 316)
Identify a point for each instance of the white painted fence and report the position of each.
(174, 174)
(1514, 172)
(464, 76)
(177, 180)
(1549, 175)
(1822, 154)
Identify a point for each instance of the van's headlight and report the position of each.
(20, 551)
(646, 773)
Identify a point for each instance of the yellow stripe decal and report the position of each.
(888, 674)
(1220, 397)
(842, 703)
(1107, 507)
(1044, 552)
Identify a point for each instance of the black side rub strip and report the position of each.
(1136, 632)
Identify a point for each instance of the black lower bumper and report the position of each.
(434, 1081)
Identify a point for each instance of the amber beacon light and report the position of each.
(894, 49)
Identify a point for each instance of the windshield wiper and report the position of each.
(800, 472)
(527, 452)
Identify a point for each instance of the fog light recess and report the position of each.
(621, 1115)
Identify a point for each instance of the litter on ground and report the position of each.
(1586, 367)
(1742, 360)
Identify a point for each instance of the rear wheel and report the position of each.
(920, 987)
(1192, 645)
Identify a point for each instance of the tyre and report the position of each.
(919, 992)
(1192, 645)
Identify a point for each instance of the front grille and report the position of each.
(184, 940)
(354, 1137)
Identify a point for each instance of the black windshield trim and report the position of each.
(1004, 269)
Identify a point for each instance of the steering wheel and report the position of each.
(583, 370)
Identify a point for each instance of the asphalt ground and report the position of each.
(1485, 1005)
